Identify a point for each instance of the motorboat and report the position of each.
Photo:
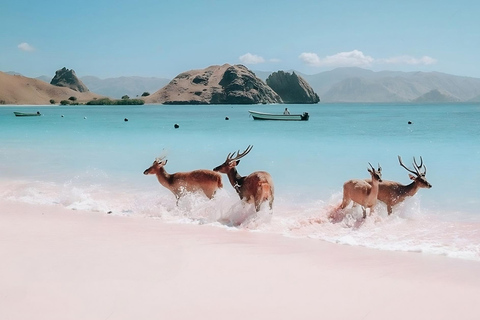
(279, 116)
(27, 114)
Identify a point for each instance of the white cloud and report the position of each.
(426, 60)
(353, 58)
(25, 47)
(311, 59)
(249, 58)
(356, 58)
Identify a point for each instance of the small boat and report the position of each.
(27, 114)
(278, 116)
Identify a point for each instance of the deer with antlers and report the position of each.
(255, 188)
(392, 192)
(362, 192)
(180, 183)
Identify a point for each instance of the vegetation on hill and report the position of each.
(107, 101)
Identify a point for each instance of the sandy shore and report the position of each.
(63, 264)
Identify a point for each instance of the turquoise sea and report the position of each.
(89, 158)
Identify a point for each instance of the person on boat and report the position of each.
(286, 112)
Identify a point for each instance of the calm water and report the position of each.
(92, 159)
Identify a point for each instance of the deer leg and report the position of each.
(345, 203)
(389, 209)
(371, 210)
(258, 203)
(364, 212)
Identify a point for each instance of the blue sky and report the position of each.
(159, 38)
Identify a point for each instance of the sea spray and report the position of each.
(97, 165)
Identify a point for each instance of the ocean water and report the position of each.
(89, 158)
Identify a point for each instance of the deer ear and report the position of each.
(411, 176)
(236, 163)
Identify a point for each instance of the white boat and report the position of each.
(278, 116)
(27, 114)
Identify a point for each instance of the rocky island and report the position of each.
(292, 88)
(225, 84)
(67, 78)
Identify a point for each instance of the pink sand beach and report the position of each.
(64, 264)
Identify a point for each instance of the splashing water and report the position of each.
(97, 165)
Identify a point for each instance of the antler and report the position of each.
(416, 166)
(232, 157)
(419, 167)
(379, 168)
(371, 166)
(162, 156)
(411, 171)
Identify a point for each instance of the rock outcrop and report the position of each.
(67, 78)
(292, 88)
(224, 84)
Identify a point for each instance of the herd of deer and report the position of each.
(258, 188)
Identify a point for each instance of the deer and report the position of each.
(361, 192)
(180, 183)
(255, 188)
(392, 193)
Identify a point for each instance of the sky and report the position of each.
(159, 38)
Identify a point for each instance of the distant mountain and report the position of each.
(360, 90)
(338, 85)
(436, 96)
(362, 85)
(118, 87)
(44, 79)
(475, 99)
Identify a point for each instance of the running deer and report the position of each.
(255, 188)
(362, 192)
(182, 182)
(392, 193)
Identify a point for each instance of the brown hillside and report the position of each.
(16, 89)
(225, 84)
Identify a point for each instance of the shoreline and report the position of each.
(268, 104)
(68, 264)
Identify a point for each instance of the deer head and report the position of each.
(157, 164)
(417, 176)
(376, 174)
(233, 159)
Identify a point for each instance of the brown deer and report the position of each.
(182, 182)
(392, 193)
(255, 188)
(362, 192)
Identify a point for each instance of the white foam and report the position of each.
(410, 228)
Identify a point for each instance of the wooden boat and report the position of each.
(27, 114)
(278, 116)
